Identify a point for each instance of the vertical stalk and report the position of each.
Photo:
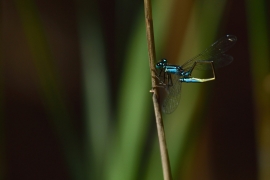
(160, 127)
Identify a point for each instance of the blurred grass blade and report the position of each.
(134, 105)
(259, 45)
(50, 88)
(96, 88)
(134, 111)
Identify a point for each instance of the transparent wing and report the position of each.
(220, 61)
(214, 53)
(172, 99)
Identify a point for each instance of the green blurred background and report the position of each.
(75, 81)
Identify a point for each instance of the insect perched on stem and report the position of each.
(172, 76)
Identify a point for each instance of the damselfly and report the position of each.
(172, 76)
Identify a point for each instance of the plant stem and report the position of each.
(152, 56)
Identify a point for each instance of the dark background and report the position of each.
(42, 100)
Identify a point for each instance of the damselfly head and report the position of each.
(161, 64)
